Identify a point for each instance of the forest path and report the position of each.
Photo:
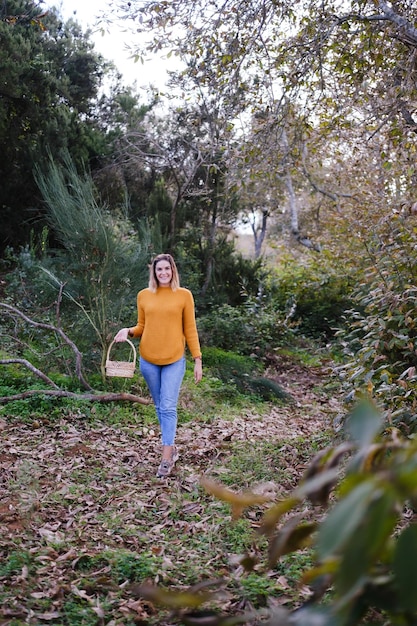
(81, 510)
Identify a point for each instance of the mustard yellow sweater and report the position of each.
(166, 322)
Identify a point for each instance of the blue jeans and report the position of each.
(164, 382)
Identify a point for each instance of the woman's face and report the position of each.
(163, 273)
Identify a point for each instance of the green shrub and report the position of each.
(381, 338)
(253, 328)
(95, 271)
(317, 293)
(244, 373)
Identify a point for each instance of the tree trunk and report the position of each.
(292, 203)
(210, 248)
(259, 234)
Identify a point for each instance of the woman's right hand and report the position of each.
(122, 335)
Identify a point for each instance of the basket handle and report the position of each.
(131, 345)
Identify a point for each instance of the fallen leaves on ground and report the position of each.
(79, 501)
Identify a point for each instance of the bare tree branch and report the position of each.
(408, 33)
(56, 392)
(78, 356)
(335, 196)
(32, 368)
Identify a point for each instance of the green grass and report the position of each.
(237, 536)
(305, 356)
(13, 562)
(77, 611)
(271, 460)
(256, 589)
(292, 566)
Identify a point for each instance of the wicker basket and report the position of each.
(123, 369)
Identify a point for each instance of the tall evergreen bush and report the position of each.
(101, 263)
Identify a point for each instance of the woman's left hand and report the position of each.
(198, 370)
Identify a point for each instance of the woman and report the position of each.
(166, 322)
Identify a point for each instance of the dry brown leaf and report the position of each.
(238, 501)
(46, 617)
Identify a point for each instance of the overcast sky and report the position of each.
(112, 46)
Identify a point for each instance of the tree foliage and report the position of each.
(329, 75)
(51, 77)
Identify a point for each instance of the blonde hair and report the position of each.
(153, 281)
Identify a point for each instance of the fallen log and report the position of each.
(89, 397)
